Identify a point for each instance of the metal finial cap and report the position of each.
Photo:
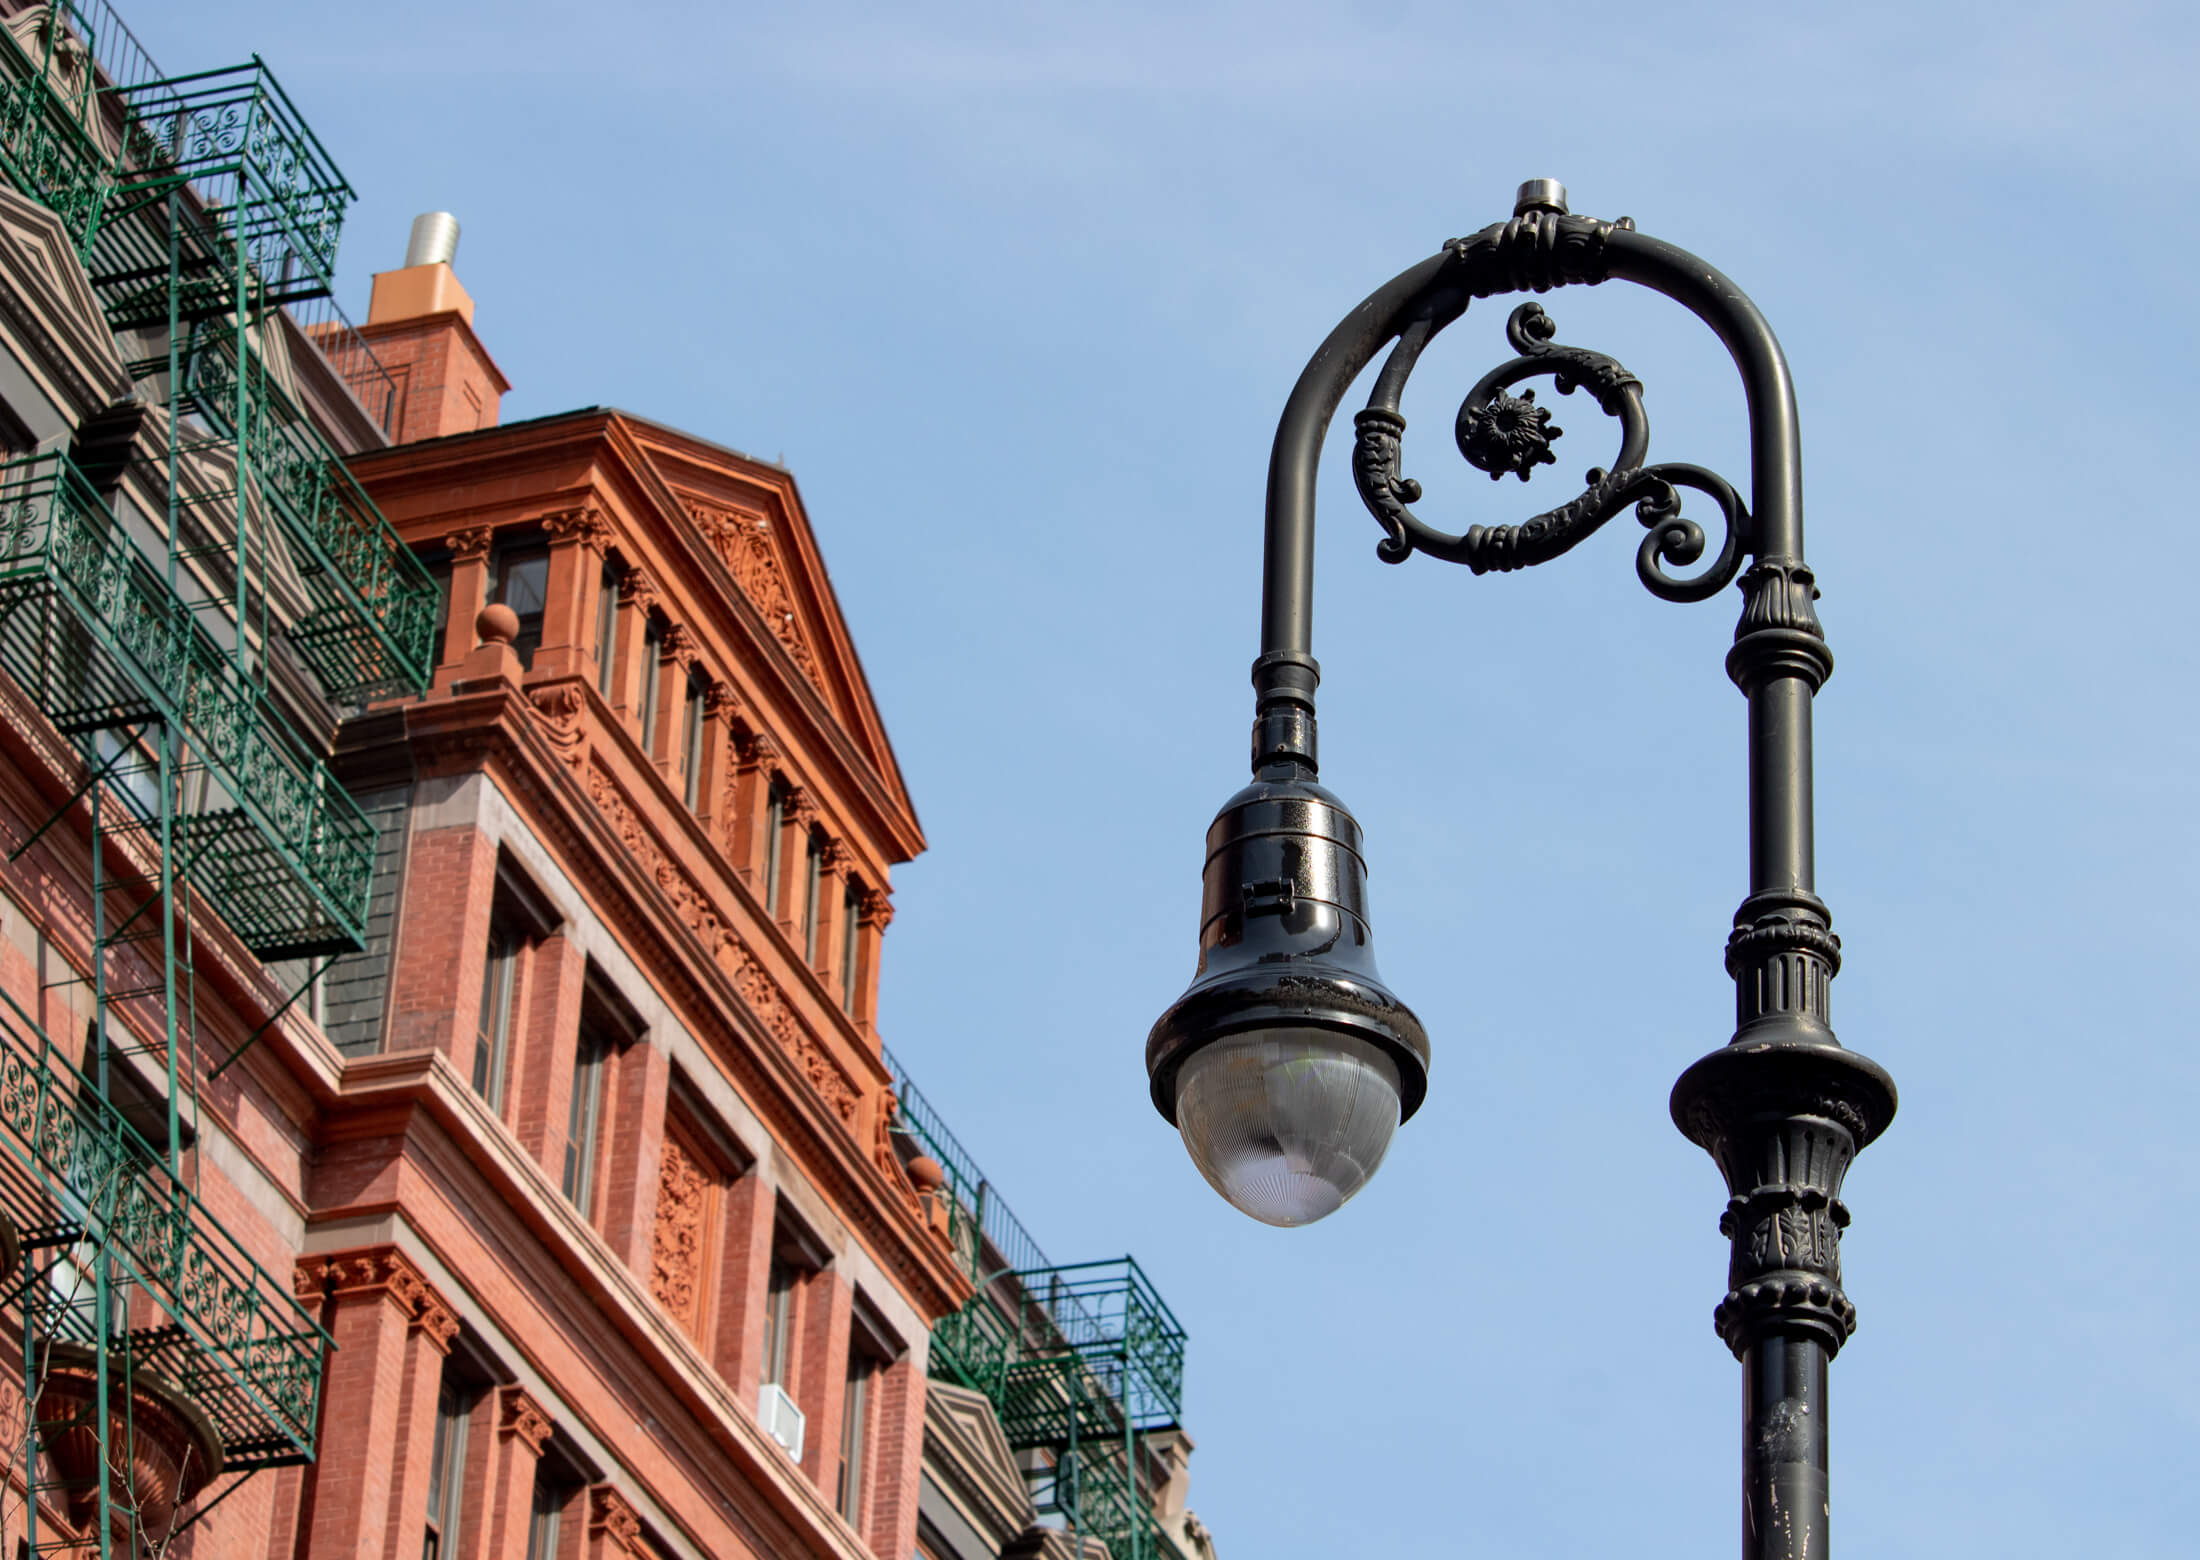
(1540, 195)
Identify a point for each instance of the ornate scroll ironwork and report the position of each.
(1500, 432)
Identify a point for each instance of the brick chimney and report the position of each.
(420, 323)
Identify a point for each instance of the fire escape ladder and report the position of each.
(161, 1363)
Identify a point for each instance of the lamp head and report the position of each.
(1287, 1064)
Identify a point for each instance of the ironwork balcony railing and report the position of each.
(268, 188)
(48, 111)
(77, 1179)
(375, 607)
(1079, 1360)
(98, 640)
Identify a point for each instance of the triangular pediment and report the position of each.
(749, 514)
(745, 542)
(48, 306)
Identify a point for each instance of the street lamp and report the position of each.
(1288, 1063)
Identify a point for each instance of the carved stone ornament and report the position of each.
(585, 525)
(637, 590)
(693, 907)
(614, 1520)
(743, 543)
(876, 908)
(470, 544)
(520, 1416)
(378, 1272)
(680, 1241)
(561, 706)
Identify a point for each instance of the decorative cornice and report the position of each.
(520, 1417)
(726, 949)
(487, 732)
(384, 1271)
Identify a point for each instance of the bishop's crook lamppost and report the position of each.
(1288, 1063)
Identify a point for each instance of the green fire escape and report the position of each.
(1081, 1363)
(198, 562)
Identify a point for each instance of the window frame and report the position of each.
(607, 630)
(776, 796)
(593, 1048)
(813, 888)
(851, 930)
(855, 1436)
(653, 660)
(500, 984)
(691, 745)
(521, 551)
(454, 1408)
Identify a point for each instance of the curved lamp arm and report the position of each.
(1783, 1108)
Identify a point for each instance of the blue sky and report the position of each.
(1018, 292)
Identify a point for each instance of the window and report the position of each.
(446, 1471)
(521, 580)
(591, 1059)
(542, 1515)
(853, 1432)
(778, 1319)
(851, 911)
(775, 826)
(607, 630)
(691, 757)
(493, 1038)
(653, 654)
(813, 881)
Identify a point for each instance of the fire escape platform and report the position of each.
(100, 643)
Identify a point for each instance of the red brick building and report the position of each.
(447, 865)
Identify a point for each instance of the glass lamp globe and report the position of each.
(1288, 1123)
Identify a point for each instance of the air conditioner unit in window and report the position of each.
(781, 1420)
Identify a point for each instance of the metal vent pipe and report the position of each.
(434, 239)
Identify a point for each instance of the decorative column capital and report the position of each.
(471, 544)
(584, 525)
(610, 1516)
(638, 590)
(876, 908)
(378, 1271)
(520, 1417)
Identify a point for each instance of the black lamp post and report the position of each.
(1288, 1063)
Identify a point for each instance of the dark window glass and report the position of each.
(523, 584)
(493, 1037)
(853, 1431)
(851, 909)
(778, 1320)
(653, 654)
(607, 630)
(814, 880)
(775, 826)
(542, 1517)
(590, 1060)
(691, 758)
(446, 1473)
